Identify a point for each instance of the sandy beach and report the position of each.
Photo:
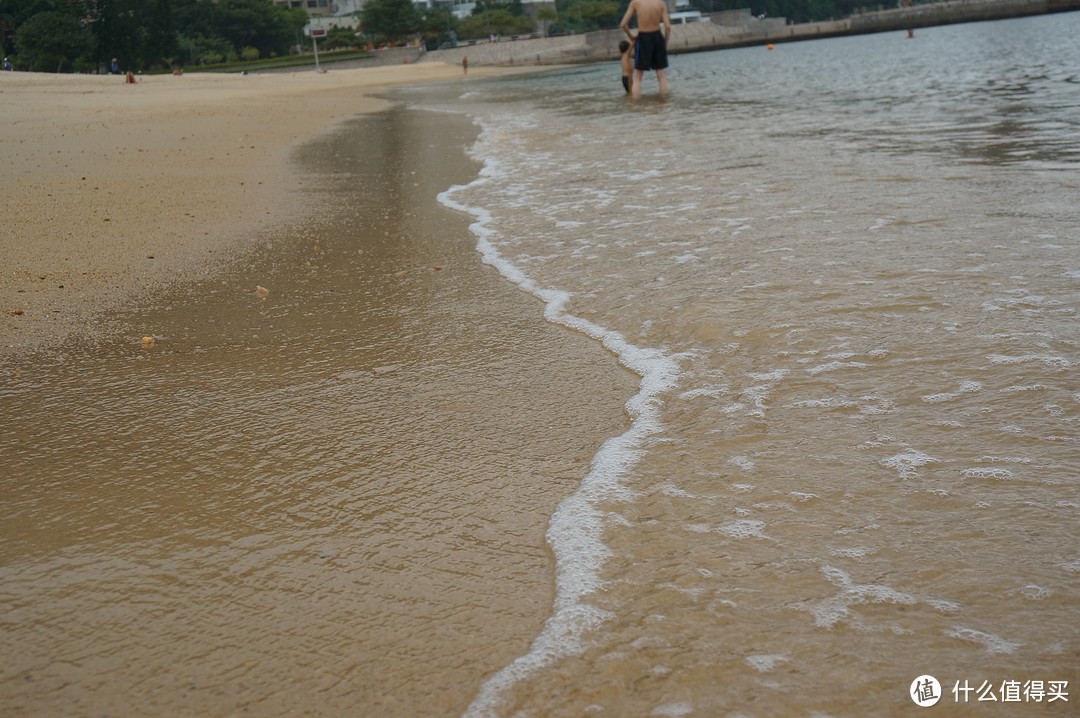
(330, 499)
(112, 189)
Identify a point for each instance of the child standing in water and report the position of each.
(626, 49)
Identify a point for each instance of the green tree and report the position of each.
(255, 23)
(546, 15)
(500, 20)
(271, 29)
(601, 13)
(13, 13)
(435, 21)
(339, 37)
(118, 31)
(51, 39)
(393, 19)
(438, 25)
(16, 12)
(207, 50)
(193, 18)
(571, 15)
(161, 42)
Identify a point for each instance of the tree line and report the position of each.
(85, 35)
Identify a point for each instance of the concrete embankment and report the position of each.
(738, 28)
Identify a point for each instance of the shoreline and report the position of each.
(116, 190)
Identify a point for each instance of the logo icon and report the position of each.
(925, 691)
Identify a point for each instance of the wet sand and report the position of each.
(113, 189)
(327, 500)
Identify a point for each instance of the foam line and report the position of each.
(576, 528)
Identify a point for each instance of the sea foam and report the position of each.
(575, 532)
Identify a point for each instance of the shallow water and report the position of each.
(848, 272)
(328, 501)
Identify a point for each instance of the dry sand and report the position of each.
(111, 189)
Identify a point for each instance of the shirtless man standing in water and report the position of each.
(651, 43)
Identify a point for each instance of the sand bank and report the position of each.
(111, 189)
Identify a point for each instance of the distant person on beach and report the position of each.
(113, 67)
(651, 51)
(465, 65)
(7, 65)
(626, 50)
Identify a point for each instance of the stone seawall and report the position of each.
(738, 28)
(565, 50)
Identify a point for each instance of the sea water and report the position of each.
(848, 274)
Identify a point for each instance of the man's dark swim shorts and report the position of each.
(651, 51)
